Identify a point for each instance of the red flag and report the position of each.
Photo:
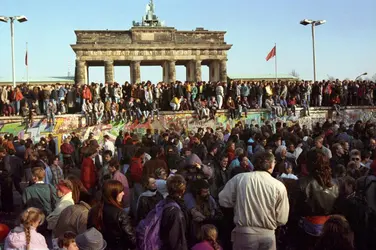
(272, 53)
(26, 58)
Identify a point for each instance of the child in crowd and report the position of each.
(25, 236)
(208, 236)
(288, 172)
(67, 242)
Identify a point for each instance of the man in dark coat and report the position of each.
(174, 223)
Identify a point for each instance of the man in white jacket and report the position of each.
(260, 205)
(64, 192)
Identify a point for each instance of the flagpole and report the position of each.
(27, 65)
(275, 62)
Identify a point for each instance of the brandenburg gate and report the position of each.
(151, 44)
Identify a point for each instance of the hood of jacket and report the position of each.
(16, 239)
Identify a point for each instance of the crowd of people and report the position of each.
(127, 102)
(254, 187)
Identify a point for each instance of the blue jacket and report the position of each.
(62, 92)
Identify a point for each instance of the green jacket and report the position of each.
(40, 195)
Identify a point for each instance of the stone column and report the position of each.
(87, 74)
(171, 71)
(214, 71)
(80, 74)
(109, 71)
(190, 71)
(135, 72)
(165, 67)
(223, 71)
(198, 74)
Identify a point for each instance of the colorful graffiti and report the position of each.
(76, 123)
(173, 121)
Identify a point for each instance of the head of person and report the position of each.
(53, 160)
(319, 168)
(346, 146)
(243, 159)
(77, 189)
(90, 152)
(161, 173)
(264, 161)
(31, 217)
(67, 241)
(319, 142)
(355, 156)
(112, 194)
(277, 141)
(200, 188)
(64, 187)
(38, 174)
(338, 149)
(176, 186)
(231, 146)
(288, 168)
(197, 139)
(224, 161)
(347, 186)
(106, 138)
(209, 233)
(336, 234)
(107, 155)
(282, 151)
(290, 147)
(113, 166)
(339, 171)
(149, 184)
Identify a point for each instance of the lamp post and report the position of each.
(313, 24)
(359, 76)
(20, 19)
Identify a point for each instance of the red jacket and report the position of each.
(136, 169)
(86, 94)
(66, 149)
(88, 173)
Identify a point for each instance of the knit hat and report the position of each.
(91, 239)
(62, 187)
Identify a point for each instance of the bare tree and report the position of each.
(294, 73)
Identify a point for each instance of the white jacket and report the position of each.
(52, 218)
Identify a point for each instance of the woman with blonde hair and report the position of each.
(208, 238)
(25, 236)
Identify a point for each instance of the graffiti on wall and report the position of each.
(174, 122)
(351, 116)
(67, 124)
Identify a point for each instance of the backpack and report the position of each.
(147, 231)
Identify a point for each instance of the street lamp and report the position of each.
(313, 24)
(359, 76)
(20, 19)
